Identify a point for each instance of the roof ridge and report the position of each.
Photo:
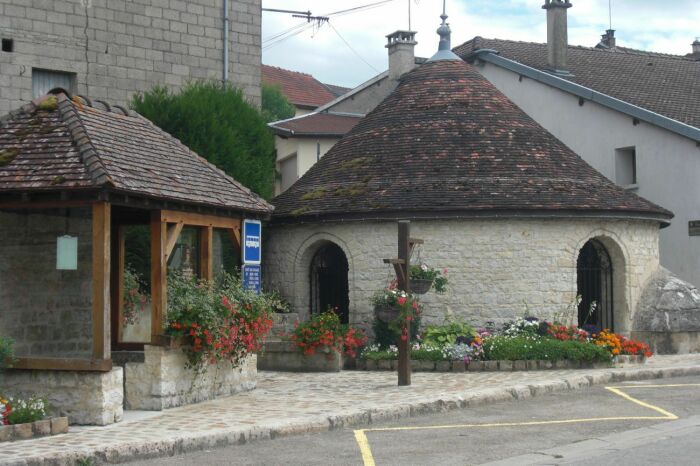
(290, 71)
(261, 202)
(618, 49)
(88, 155)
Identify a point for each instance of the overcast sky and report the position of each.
(668, 26)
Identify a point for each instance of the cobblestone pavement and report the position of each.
(288, 403)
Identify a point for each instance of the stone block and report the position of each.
(520, 365)
(5, 433)
(490, 366)
(371, 365)
(545, 365)
(505, 366)
(384, 365)
(459, 366)
(22, 431)
(532, 365)
(475, 366)
(422, 366)
(42, 428)
(443, 366)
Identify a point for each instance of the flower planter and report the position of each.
(387, 314)
(421, 285)
(285, 356)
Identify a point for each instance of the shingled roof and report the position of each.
(316, 124)
(301, 89)
(447, 143)
(665, 84)
(59, 144)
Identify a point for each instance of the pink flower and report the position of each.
(401, 301)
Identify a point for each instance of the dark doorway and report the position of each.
(329, 282)
(594, 271)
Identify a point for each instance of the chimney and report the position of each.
(608, 39)
(402, 59)
(557, 35)
(696, 46)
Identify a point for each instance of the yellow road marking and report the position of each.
(368, 458)
(366, 451)
(624, 395)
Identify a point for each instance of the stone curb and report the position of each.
(30, 430)
(322, 423)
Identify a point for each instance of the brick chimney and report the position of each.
(402, 58)
(607, 40)
(696, 46)
(557, 35)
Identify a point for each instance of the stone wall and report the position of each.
(115, 48)
(495, 267)
(162, 381)
(94, 398)
(47, 312)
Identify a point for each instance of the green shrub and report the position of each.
(386, 335)
(504, 348)
(27, 410)
(441, 335)
(6, 352)
(428, 354)
(215, 121)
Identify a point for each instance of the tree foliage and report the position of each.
(275, 105)
(215, 121)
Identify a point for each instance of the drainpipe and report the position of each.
(227, 27)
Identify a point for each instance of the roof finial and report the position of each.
(444, 49)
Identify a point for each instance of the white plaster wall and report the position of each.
(667, 164)
(306, 150)
(495, 267)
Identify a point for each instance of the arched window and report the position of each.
(595, 286)
(329, 281)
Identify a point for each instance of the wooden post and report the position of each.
(206, 253)
(101, 251)
(159, 269)
(404, 280)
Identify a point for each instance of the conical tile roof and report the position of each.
(447, 143)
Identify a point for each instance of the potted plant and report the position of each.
(423, 278)
(325, 334)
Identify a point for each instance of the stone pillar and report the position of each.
(402, 59)
(557, 34)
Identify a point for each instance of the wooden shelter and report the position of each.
(76, 176)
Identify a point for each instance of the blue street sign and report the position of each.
(252, 241)
(251, 278)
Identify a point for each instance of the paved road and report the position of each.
(648, 422)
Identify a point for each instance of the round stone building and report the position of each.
(520, 221)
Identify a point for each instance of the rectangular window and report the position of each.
(44, 81)
(626, 166)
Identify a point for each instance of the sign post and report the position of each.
(252, 255)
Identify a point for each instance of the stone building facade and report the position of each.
(110, 49)
(497, 269)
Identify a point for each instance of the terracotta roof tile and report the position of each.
(447, 142)
(317, 124)
(302, 89)
(75, 145)
(665, 84)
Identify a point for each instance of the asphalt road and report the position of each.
(646, 422)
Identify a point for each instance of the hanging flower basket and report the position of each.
(421, 285)
(387, 313)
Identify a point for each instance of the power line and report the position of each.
(359, 8)
(352, 49)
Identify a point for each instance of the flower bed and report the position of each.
(524, 344)
(22, 418)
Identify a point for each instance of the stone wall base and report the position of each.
(162, 382)
(284, 356)
(670, 342)
(92, 398)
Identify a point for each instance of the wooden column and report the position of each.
(404, 280)
(206, 253)
(101, 308)
(159, 268)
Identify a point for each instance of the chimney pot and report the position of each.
(402, 58)
(557, 34)
(608, 39)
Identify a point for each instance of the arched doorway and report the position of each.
(595, 286)
(329, 281)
